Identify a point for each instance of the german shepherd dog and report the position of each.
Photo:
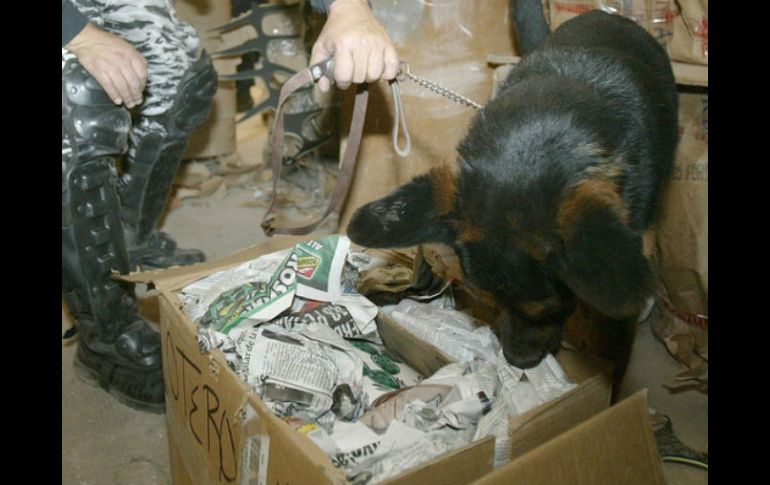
(554, 183)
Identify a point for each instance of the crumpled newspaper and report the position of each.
(198, 297)
(458, 335)
(338, 317)
(526, 389)
(461, 403)
(383, 372)
(401, 448)
(310, 370)
(290, 345)
(416, 435)
(454, 396)
(260, 290)
(519, 391)
(318, 362)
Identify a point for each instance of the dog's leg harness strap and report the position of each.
(345, 176)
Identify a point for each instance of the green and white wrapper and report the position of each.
(260, 290)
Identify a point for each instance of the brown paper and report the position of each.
(681, 26)
(689, 41)
(654, 15)
(681, 254)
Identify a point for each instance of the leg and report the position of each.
(600, 336)
(116, 347)
(529, 24)
(158, 143)
(178, 94)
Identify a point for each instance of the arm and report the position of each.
(362, 49)
(115, 64)
(72, 22)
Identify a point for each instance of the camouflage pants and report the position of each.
(169, 45)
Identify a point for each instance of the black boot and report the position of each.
(158, 144)
(117, 348)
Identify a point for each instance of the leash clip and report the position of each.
(403, 71)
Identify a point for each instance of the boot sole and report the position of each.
(89, 376)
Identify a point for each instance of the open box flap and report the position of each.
(616, 446)
(177, 277)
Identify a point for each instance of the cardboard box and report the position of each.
(616, 447)
(221, 433)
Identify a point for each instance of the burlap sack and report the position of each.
(654, 15)
(681, 250)
(679, 25)
(690, 33)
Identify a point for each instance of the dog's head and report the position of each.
(532, 244)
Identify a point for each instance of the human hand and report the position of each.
(115, 64)
(362, 49)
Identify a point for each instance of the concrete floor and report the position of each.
(105, 442)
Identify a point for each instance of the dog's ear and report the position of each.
(603, 261)
(415, 213)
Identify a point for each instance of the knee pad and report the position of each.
(158, 146)
(94, 124)
(94, 132)
(192, 103)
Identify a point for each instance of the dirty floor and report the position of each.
(105, 442)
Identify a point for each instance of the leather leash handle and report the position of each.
(277, 144)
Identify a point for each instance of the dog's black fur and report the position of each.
(555, 181)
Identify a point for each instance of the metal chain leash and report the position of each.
(404, 72)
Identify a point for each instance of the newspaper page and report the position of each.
(292, 327)
(319, 267)
(198, 296)
(401, 448)
(543, 383)
(456, 334)
(383, 371)
(260, 290)
(283, 367)
(337, 317)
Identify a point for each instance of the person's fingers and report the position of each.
(324, 84)
(375, 66)
(391, 63)
(105, 81)
(317, 54)
(121, 86)
(360, 62)
(139, 67)
(133, 84)
(343, 68)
